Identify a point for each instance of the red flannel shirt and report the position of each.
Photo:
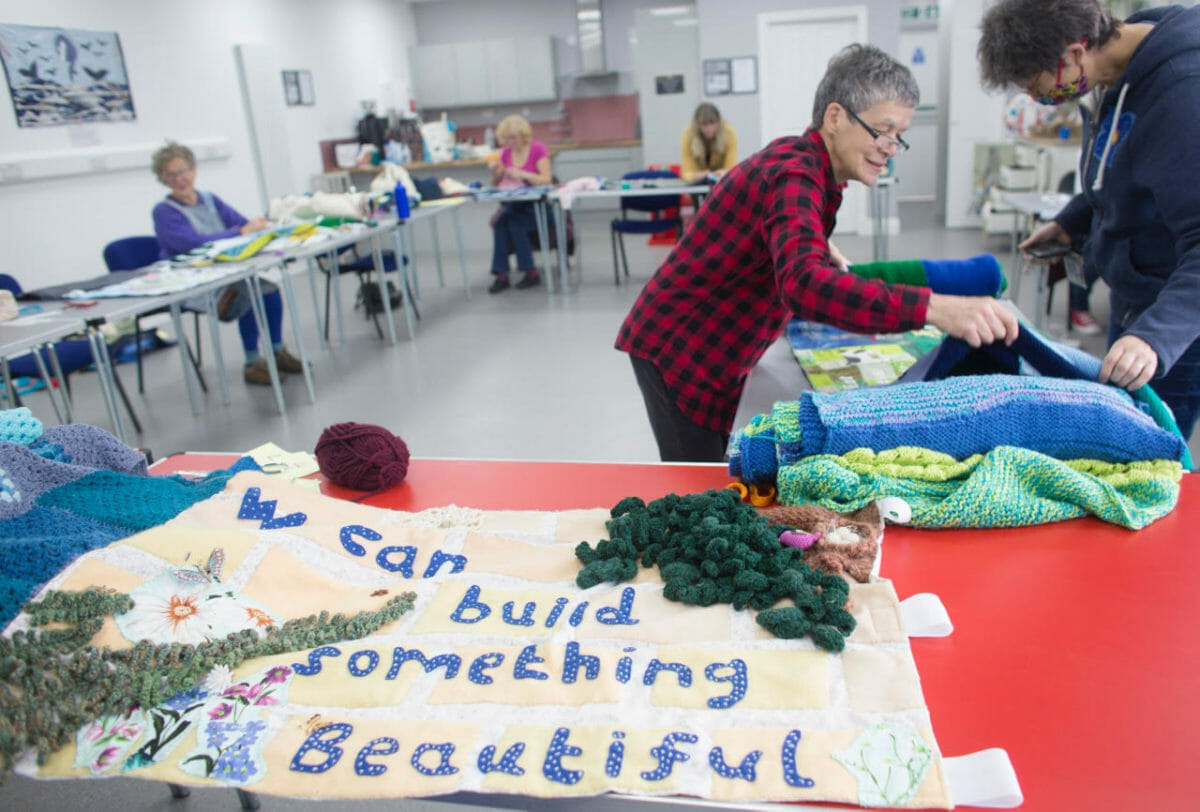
(756, 253)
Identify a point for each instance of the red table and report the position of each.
(1076, 645)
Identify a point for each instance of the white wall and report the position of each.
(971, 115)
(731, 29)
(179, 58)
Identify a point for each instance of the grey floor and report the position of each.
(519, 375)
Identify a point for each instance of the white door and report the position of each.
(666, 47)
(795, 48)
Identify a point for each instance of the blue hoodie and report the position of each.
(1142, 217)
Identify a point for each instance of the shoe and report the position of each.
(529, 280)
(286, 362)
(257, 372)
(500, 283)
(1083, 323)
(225, 303)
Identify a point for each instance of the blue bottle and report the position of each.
(401, 198)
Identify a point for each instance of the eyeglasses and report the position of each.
(177, 173)
(884, 142)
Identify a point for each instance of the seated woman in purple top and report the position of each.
(187, 218)
(523, 162)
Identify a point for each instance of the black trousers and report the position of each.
(679, 439)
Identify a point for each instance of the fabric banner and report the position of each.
(505, 677)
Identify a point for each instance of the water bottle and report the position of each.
(401, 197)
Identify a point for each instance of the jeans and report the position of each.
(273, 305)
(511, 234)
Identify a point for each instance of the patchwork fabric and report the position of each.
(506, 677)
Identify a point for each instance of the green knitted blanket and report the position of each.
(1007, 487)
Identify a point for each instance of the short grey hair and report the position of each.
(862, 76)
(167, 153)
(1021, 38)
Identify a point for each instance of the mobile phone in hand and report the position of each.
(1050, 249)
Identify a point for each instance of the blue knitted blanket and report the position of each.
(1059, 418)
(71, 489)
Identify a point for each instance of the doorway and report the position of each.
(666, 73)
(794, 48)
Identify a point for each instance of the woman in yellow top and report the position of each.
(709, 145)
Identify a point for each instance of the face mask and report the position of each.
(1069, 92)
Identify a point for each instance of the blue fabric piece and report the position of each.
(1063, 419)
(976, 276)
(1034, 353)
(36, 545)
(132, 503)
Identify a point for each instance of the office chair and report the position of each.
(130, 254)
(653, 204)
(73, 354)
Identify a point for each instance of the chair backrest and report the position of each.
(650, 202)
(10, 284)
(131, 253)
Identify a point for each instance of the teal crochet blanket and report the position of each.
(70, 489)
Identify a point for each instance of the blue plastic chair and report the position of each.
(73, 354)
(130, 254)
(648, 204)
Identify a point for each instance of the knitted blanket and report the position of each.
(1006, 487)
(504, 677)
(70, 489)
(1064, 419)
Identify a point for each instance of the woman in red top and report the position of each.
(758, 252)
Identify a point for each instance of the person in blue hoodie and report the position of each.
(1137, 219)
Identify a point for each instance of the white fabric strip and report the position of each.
(984, 778)
(925, 616)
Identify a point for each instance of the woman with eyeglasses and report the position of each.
(187, 218)
(759, 252)
(1137, 219)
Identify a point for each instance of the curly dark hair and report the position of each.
(1022, 38)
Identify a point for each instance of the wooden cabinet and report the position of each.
(470, 74)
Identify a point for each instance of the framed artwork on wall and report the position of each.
(298, 87)
(60, 76)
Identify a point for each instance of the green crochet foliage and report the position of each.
(52, 682)
(712, 548)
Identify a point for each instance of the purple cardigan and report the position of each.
(177, 235)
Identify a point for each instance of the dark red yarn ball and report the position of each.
(362, 456)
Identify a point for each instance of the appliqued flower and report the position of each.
(170, 609)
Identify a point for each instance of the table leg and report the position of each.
(560, 228)
(437, 250)
(311, 263)
(9, 386)
(462, 255)
(189, 371)
(539, 210)
(289, 296)
(107, 385)
(335, 278)
(214, 338)
(402, 273)
(1014, 268)
(264, 333)
(63, 414)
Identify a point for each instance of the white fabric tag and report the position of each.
(984, 778)
(925, 616)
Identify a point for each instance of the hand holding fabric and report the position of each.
(1129, 364)
(977, 320)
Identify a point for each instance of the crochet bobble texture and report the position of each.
(52, 682)
(711, 548)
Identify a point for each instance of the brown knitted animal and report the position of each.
(849, 543)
